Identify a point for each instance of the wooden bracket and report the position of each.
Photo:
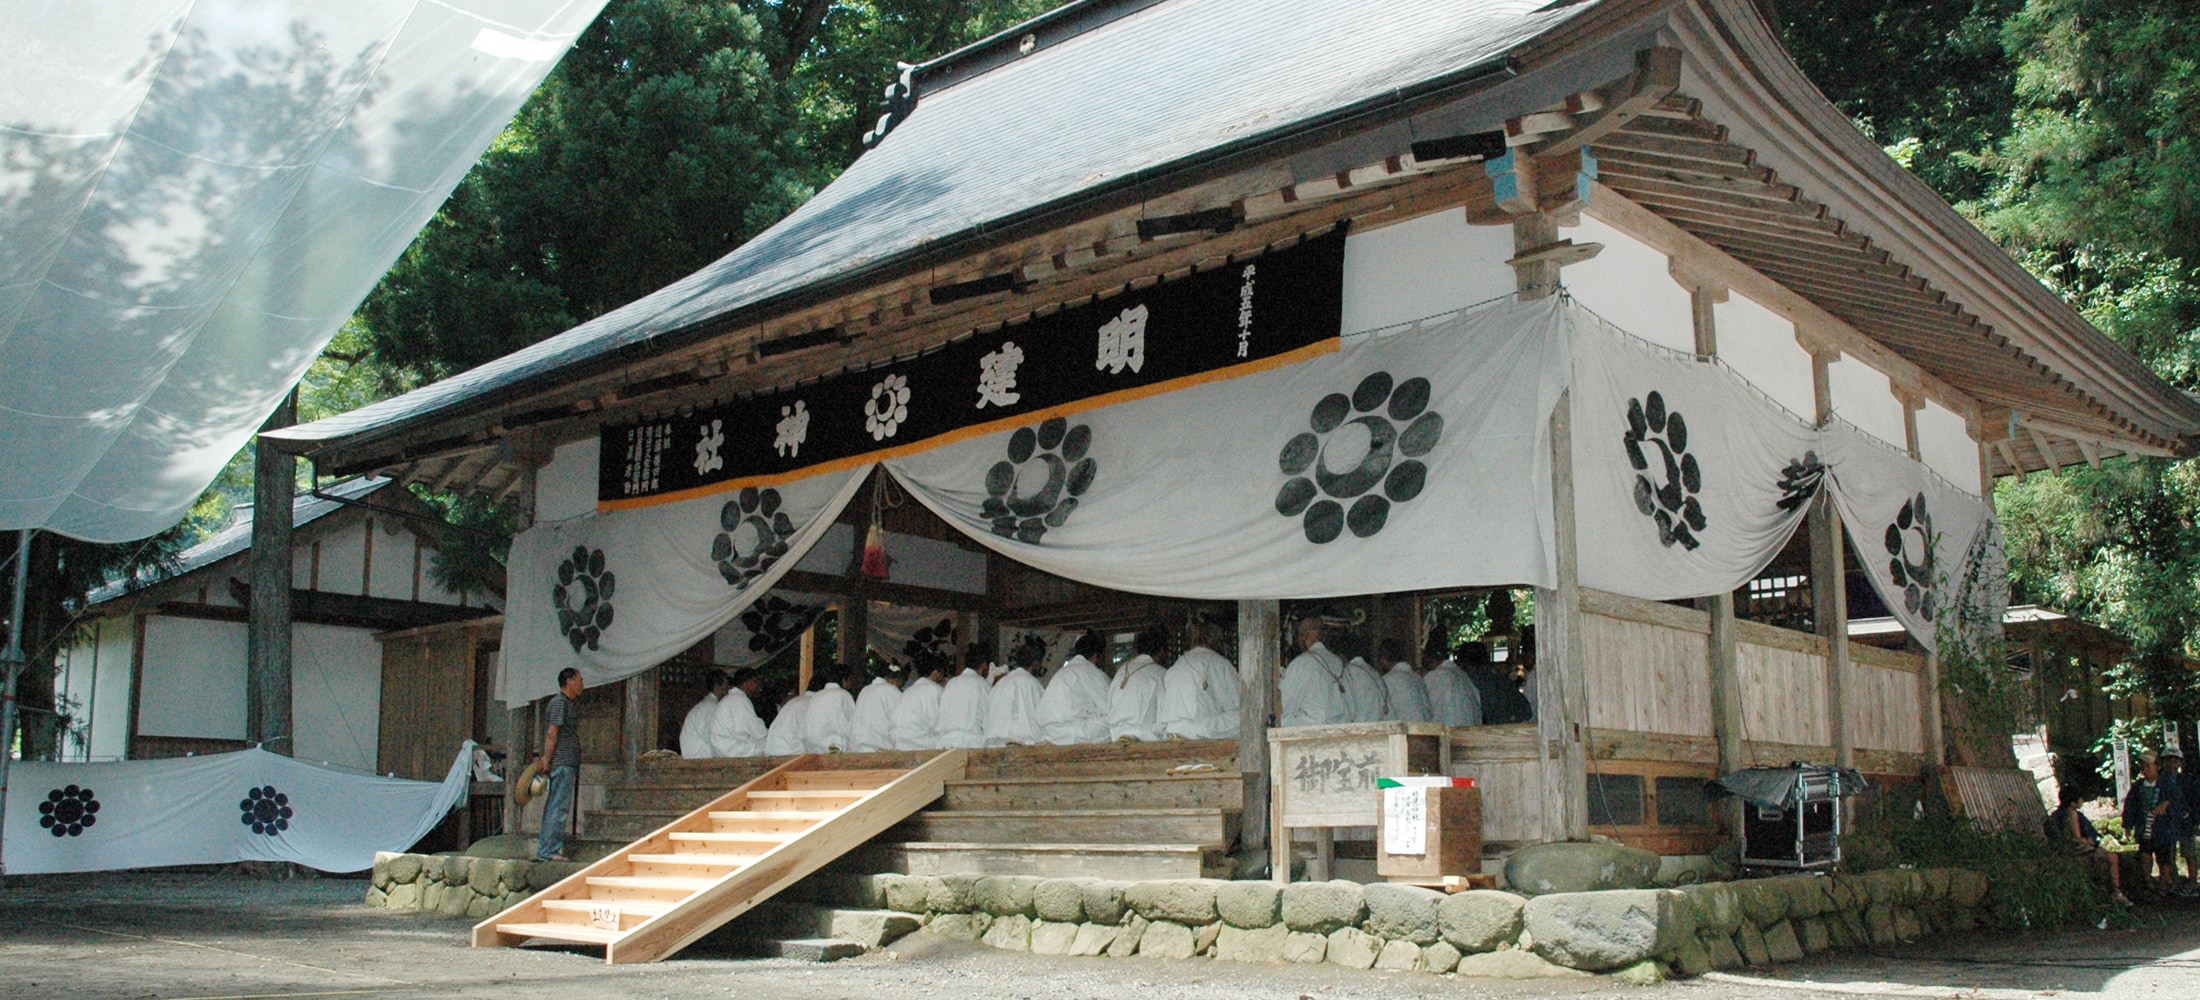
(1696, 278)
(2046, 449)
(1657, 74)
(1562, 253)
(1512, 178)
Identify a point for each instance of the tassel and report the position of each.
(874, 552)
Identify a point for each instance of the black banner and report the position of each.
(1248, 314)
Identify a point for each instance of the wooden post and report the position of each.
(1829, 582)
(1930, 726)
(1535, 279)
(267, 629)
(1259, 649)
(808, 666)
(1562, 690)
(519, 732)
(855, 635)
(641, 718)
(1704, 294)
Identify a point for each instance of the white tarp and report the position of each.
(764, 628)
(1932, 552)
(194, 196)
(1401, 462)
(617, 592)
(1687, 481)
(251, 805)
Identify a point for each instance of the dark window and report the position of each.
(1682, 802)
(1615, 800)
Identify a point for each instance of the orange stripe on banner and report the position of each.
(1309, 352)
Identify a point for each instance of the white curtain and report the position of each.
(774, 622)
(617, 592)
(1932, 552)
(251, 805)
(1401, 462)
(194, 196)
(1687, 481)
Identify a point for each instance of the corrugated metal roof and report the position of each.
(237, 537)
(1095, 112)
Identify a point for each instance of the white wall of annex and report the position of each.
(1760, 346)
(194, 679)
(1863, 396)
(343, 561)
(1629, 285)
(336, 695)
(1945, 441)
(110, 735)
(1425, 266)
(393, 559)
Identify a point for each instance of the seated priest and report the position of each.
(917, 715)
(695, 729)
(1012, 711)
(832, 712)
(1408, 694)
(735, 728)
(785, 735)
(1452, 695)
(1134, 700)
(962, 708)
(1366, 697)
(873, 728)
(1200, 696)
(1313, 683)
(1075, 707)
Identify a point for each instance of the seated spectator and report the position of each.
(2069, 828)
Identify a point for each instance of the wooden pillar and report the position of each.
(1562, 690)
(519, 732)
(1932, 736)
(1260, 646)
(1704, 294)
(641, 718)
(1829, 581)
(1535, 278)
(807, 667)
(855, 634)
(267, 629)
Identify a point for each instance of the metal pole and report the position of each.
(14, 659)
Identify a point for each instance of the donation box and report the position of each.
(1428, 829)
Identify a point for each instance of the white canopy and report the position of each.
(194, 196)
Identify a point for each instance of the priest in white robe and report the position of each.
(785, 735)
(1408, 695)
(735, 728)
(1200, 695)
(1134, 699)
(1075, 707)
(962, 710)
(695, 729)
(1313, 683)
(832, 713)
(917, 715)
(1012, 711)
(1366, 698)
(873, 728)
(1451, 694)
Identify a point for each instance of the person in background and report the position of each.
(1408, 693)
(1075, 706)
(2154, 815)
(1134, 699)
(873, 728)
(1012, 709)
(1200, 695)
(2173, 772)
(963, 703)
(832, 712)
(561, 760)
(1313, 684)
(735, 728)
(695, 729)
(1499, 694)
(1366, 697)
(785, 735)
(1452, 696)
(2069, 828)
(917, 714)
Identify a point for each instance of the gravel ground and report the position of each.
(207, 936)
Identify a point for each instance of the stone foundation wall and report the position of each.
(1642, 933)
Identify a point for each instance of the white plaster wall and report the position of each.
(832, 552)
(393, 561)
(1628, 284)
(336, 695)
(1760, 346)
(194, 679)
(111, 695)
(1863, 396)
(343, 561)
(1945, 441)
(566, 487)
(74, 671)
(925, 562)
(1434, 264)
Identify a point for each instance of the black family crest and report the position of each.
(753, 535)
(774, 622)
(583, 597)
(1799, 482)
(265, 810)
(1037, 486)
(1354, 446)
(1667, 491)
(1915, 578)
(68, 812)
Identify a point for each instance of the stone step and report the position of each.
(628, 825)
(781, 920)
(1201, 790)
(1211, 826)
(1126, 862)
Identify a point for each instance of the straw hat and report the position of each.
(532, 782)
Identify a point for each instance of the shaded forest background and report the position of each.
(2068, 130)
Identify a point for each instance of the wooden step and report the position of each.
(659, 888)
(572, 933)
(1203, 790)
(632, 912)
(1126, 862)
(690, 864)
(1215, 827)
(814, 800)
(714, 839)
(781, 822)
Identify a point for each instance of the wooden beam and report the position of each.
(898, 593)
(2091, 451)
(1260, 642)
(1657, 74)
(2046, 449)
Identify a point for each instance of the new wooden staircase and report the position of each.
(692, 875)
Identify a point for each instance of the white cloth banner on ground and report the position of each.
(776, 621)
(617, 592)
(1933, 553)
(250, 805)
(1687, 481)
(1400, 462)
